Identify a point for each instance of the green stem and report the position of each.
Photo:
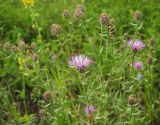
(24, 99)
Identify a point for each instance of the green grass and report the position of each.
(107, 84)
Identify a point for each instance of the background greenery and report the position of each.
(22, 96)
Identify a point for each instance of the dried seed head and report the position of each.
(56, 29)
(137, 15)
(35, 57)
(80, 7)
(150, 60)
(112, 29)
(47, 96)
(33, 45)
(14, 48)
(78, 14)
(104, 19)
(132, 101)
(66, 14)
(6, 46)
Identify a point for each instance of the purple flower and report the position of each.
(80, 62)
(136, 45)
(138, 65)
(89, 109)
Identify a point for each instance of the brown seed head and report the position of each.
(112, 29)
(56, 29)
(14, 48)
(35, 57)
(80, 7)
(47, 96)
(132, 100)
(78, 14)
(150, 60)
(104, 19)
(137, 15)
(66, 14)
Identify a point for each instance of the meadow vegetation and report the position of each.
(72, 62)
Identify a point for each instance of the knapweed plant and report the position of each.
(80, 63)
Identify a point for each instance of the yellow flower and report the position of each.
(28, 2)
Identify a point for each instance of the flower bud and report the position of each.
(47, 96)
(66, 14)
(35, 57)
(112, 29)
(137, 15)
(150, 60)
(78, 13)
(56, 29)
(104, 19)
(14, 48)
(80, 7)
(132, 101)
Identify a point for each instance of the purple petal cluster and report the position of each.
(138, 65)
(136, 45)
(89, 109)
(80, 62)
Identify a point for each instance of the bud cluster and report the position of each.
(79, 11)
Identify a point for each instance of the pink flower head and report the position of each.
(80, 62)
(138, 65)
(136, 45)
(89, 109)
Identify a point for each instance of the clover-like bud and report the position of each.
(132, 101)
(150, 60)
(104, 19)
(66, 14)
(56, 29)
(47, 96)
(78, 14)
(137, 15)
